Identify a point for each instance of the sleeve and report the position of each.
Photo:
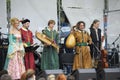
(10, 47)
(43, 32)
(89, 38)
(102, 39)
(75, 34)
(102, 33)
(10, 39)
(31, 40)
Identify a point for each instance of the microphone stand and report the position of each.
(116, 40)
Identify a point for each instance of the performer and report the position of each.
(49, 58)
(82, 57)
(96, 35)
(27, 41)
(14, 60)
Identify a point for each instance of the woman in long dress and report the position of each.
(14, 60)
(82, 57)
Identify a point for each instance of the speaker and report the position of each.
(112, 73)
(67, 62)
(84, 74)
(67, 58)
(46, 73)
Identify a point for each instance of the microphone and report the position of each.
(117, 45)
(113, 43)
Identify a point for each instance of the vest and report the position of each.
(94, 36)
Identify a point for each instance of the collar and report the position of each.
(49, 29)
(81, 31)
(95, 28)
(24, 29)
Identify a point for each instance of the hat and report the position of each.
(25, 20)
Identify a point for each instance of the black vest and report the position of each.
(94, 36)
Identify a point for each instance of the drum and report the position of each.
(113, 58)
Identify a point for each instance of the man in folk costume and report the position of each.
(27, 38)
(97, 39)
(82, 57)
(49, 58)
(98, 52)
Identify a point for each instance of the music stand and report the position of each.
(31, 48)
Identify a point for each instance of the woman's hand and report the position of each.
(25, 45)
